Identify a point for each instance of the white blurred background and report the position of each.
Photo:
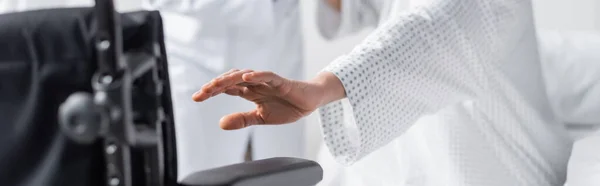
(562, 15)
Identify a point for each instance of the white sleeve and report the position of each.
(416, 64)
(571, 67)
(354, 16)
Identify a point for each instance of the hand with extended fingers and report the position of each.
(278, 100)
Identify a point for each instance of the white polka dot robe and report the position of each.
(448, 56)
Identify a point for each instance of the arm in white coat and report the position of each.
(416, 64)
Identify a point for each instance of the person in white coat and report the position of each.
(205, 38)
(473, 64)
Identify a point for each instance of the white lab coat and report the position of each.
(205, 38)
(463, 142)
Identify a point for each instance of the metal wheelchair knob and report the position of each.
(80, 119)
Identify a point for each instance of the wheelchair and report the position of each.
(85, 101)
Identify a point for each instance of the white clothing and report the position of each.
(205, 38)
(572, 72)
(571, 66)
(475, 66)
(584, 165)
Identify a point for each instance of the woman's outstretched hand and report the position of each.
(278, 100)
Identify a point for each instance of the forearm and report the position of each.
(331, 87)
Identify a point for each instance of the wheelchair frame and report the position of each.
(130, 133)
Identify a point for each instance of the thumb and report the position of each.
(241, 120)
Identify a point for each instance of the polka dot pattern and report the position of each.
(436, 57)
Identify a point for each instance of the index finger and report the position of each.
(218, 84)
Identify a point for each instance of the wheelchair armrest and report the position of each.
(266, 172)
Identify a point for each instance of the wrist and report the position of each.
(331, 87)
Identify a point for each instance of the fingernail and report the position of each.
(196, 96)
(197, 92)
